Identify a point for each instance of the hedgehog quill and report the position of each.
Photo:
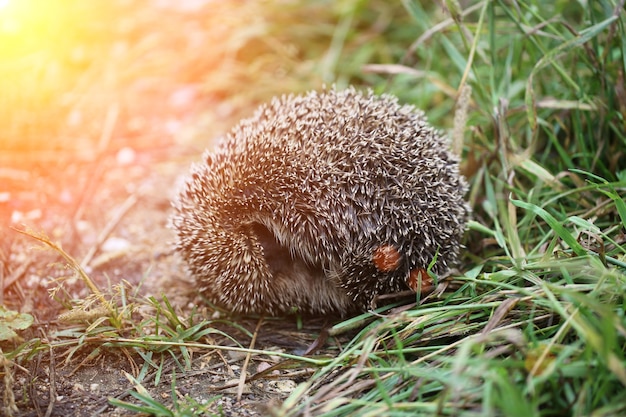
(319, 204)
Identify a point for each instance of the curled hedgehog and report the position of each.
(320, 203)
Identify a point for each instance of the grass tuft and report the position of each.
(536, 326)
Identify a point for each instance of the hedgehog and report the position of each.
(319, 204)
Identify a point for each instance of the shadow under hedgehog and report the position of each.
(319, 203)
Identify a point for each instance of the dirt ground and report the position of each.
(111, 212)
(91, 155)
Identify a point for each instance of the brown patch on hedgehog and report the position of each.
(320, 203)
(419, 281)
(386, 258)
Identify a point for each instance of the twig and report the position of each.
(244, 367)
(15, 275)
(52, 388)
(110, 226)
(8, 396)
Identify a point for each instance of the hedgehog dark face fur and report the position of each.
(318, 204)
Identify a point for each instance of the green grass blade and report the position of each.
(554, 224)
